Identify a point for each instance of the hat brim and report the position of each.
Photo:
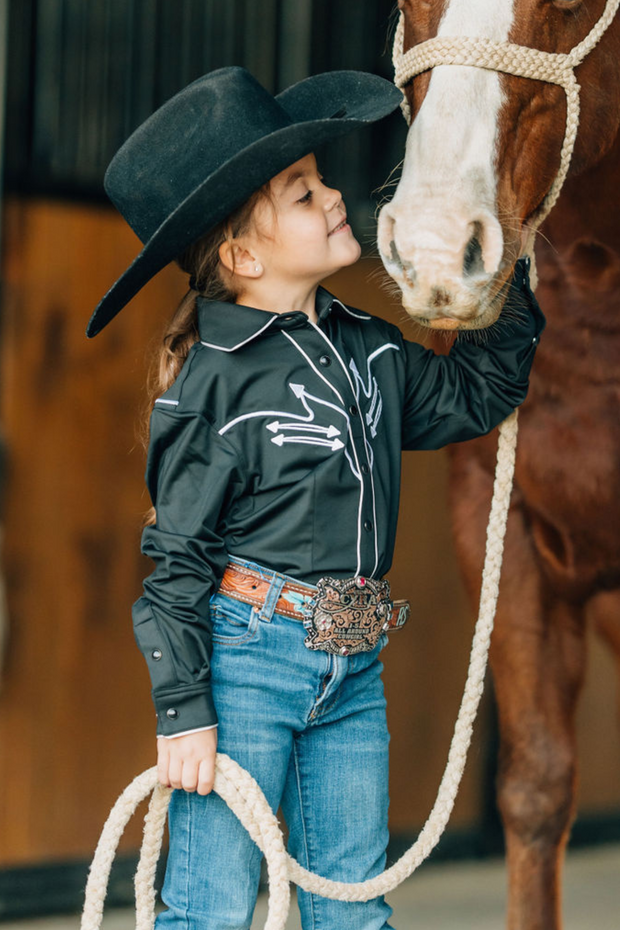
(369, 98)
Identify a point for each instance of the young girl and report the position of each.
(274, 469)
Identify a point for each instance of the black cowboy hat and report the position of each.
(208, 148)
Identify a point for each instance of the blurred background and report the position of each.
(76, 719)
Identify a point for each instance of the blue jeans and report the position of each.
(311, 728)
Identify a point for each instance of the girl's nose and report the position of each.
(334, 197)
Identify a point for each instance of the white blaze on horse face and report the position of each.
(439, 237)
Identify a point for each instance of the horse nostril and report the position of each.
(409, 272)
(395, 256)
(472, 258)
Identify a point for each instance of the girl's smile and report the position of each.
(341, 227)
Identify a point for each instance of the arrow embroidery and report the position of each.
(313, 427)
(326, 436)
(331, 431)
(310, 441)
(371, 389)
(299, 390)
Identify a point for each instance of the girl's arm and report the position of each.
(192, 474)
(454, 397)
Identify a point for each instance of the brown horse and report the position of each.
(481, 154)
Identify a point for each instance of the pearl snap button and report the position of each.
(156, 654)
(353, 410)
(367, 525)
(172, 713)
(325, 360)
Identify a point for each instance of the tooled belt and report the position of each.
(342, 615)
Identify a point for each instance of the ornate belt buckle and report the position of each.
(347, 615)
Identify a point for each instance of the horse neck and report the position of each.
(579, 265)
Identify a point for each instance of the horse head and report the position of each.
(484, 146)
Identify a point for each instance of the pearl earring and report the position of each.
(256, 268)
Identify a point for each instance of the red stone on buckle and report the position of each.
(360, 581)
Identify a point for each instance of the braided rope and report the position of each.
(233, 783)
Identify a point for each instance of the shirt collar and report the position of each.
(228, 326)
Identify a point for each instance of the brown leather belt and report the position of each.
(344, 616)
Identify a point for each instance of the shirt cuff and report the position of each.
(181, 710)
(186, 732)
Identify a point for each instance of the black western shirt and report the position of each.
(280, 441)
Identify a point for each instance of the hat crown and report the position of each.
(186, 140)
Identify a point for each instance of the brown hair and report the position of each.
(212, 280)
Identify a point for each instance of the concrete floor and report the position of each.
(461, 896)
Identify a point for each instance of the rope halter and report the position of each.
(555, 68)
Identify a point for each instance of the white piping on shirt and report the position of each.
(366, 445)
(356, 471)
(358, 316)
(185, 732)
(161, 400)
(367, 390)
(212, 345)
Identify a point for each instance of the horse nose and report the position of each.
(439, 253)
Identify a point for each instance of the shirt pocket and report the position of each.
(234, 622)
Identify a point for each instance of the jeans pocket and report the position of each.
(234, 622)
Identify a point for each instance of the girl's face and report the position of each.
(303, 236)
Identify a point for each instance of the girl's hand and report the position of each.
(188, 761)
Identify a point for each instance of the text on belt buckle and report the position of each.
(347, 615)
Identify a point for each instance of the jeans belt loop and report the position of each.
(273, 594)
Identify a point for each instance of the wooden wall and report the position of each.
(76, 720)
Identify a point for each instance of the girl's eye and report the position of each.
(306, 198)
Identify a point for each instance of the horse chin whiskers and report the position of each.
(467, 319)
